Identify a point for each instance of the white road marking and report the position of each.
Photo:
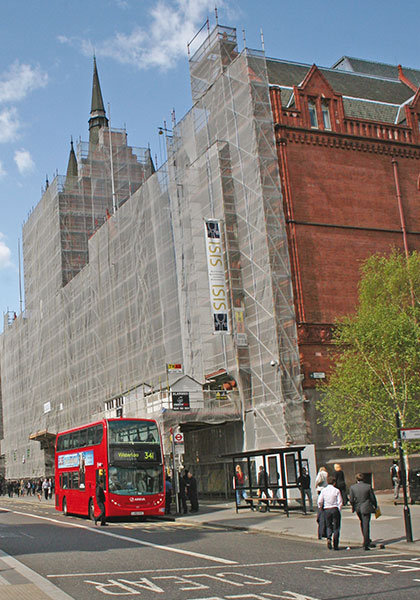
(235, 566)
(224, 561)
(46, 586)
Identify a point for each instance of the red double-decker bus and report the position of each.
(125, 453)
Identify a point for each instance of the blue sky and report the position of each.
(46, 49)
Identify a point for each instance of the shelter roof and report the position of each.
(265, 452)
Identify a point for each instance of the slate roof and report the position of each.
(370, 110)
(374, 93)
(360, 65)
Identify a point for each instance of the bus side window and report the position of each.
(82, 438)
(74, 480)
(91, 436)
(99, 431)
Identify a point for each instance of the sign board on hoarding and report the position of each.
(217, 281)
(410, 433)
(174, 368)
(180, 401)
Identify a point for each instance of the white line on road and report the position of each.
(43, 584)
(236, 566)
(217, 559)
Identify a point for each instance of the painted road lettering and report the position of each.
(368, 569)
(235, 579)
(121, 586)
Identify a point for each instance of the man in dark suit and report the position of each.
(100, 501)
(363, 502)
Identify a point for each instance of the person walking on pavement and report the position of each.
(331, 501)
(396, 479)
(192, 492)
(363, 502)
(341, 482)
(182, 479)
(168, 494)
(100, 501)
(239, 485)
(304, 482)
(321, 479)
(45, 488)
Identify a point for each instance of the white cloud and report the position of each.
(9, 125)
(161, 44)
(24, 162)
(2, 170)
(5, 254)
(20, 80)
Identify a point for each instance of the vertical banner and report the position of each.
(217, 283)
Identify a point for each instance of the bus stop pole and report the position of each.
(407, 516)
(175, 473)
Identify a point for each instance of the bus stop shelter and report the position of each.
(282, 466)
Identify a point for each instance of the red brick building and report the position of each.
(348, 143)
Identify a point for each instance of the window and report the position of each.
(326, 115)
(312, 114)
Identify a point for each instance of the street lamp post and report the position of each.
(407, 516)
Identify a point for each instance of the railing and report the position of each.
(381, 131)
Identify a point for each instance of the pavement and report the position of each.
(18, 581)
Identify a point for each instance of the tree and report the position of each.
(376, 357)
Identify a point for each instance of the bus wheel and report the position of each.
(91, 510)
(65, 512)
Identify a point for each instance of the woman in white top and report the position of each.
(321, 479)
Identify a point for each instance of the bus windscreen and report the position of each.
(128, 481)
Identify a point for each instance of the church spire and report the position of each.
(72, 170)
(97, 110)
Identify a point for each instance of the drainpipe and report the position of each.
(400, 208)
(292, 229)
(403, 229)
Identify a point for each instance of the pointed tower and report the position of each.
(97, 110)
(72, 170)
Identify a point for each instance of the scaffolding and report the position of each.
(117, 285)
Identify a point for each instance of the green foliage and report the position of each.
(376, 357)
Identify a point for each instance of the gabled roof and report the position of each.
(354, 85)
(375, 92)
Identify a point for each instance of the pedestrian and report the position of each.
(239, 485)
(363, 503)
(395, 472)
(39, 489)
(331, 501)
(321, 479)
(45, 488)
(100, 501)
(262, 482)
(192, 492)
(304, 483)
(341, 482)
(182, 479)
(168, 494)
